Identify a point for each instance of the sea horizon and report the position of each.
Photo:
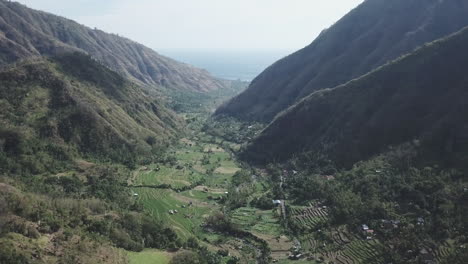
(242, 65)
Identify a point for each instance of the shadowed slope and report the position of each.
(421, 96)
(372, 34)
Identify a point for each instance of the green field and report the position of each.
(159, 202)
(194, 162)
(287, 261)
(258, 221)
(149, 256)
(161, 174)
(201, 195)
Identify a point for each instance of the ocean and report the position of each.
(230, 65)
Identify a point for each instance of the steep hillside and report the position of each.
(419, 98)
(54, 109)
(369, 36)
(25, 33)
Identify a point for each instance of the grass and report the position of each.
(193, 165)
(172, 176)
(195, 161)
(202, 196)
(159, 202)
(257, 221)
(149, 256)
(287, 261)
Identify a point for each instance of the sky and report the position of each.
(206, 24)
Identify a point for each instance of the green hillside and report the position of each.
(418, 98)
(369, 36)
(388, 151)
(26, 32)
(55, 110)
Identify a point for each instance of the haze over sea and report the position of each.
(231, 65)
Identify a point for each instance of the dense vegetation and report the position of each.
(26, 33)
(184, 102)
(96, 169)
(369, 36)
(387, 151)
(54, 113)
(420, 97)
(409, 207)
(44, 104)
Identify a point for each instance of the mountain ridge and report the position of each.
(367, 37)
(26, 32)
(416, 97)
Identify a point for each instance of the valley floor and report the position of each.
(190, 188)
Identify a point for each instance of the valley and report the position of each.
(351, 150)
(193, 185)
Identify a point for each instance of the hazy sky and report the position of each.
(206, 24)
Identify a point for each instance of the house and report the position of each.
(329, 177)
(295, 257)
(426, 257)
(421, 221)
(276, 202)
(365, 227)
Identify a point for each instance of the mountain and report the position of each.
(26, 33)
(419, 99)
(369, 36)
(69, 106)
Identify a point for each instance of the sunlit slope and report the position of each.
(71, 105)
(25, 32)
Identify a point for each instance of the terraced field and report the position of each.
(160, 174)
(264, 224)
(255, 220)
(202, 195)
(149, 256)
(446, 249)
(194, 162)
(186, 222)
(345, 248)
(309, 217)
